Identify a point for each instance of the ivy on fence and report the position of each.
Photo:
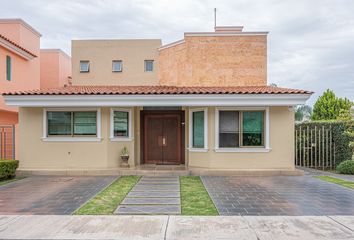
(323, 144)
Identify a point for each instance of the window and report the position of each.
(59, 123)
(84, 123)
(117, 66)
(198, 126)
(252, 128)
(8, 68)
(121, 125)
(71, 123)
(84, 66)
(229, 129)
(149, 65)
(241, 129)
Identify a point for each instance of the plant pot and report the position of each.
(124, 163)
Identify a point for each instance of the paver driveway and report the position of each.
(49, 195)
(281, 195)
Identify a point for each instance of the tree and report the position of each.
(330, 107)
(302, 113)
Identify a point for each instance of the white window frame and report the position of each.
(191, 148)
(130, 133)
(121, 66)
(88, 66)
(153, 64)
(47, 138)
(266, 147)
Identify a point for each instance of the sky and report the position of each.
(310, 42)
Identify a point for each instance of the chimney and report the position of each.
(228, 29)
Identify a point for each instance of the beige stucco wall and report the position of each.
(215, 61)
(37, 154)
(100, 53)
(281, 155)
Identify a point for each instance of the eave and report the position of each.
(156, 100)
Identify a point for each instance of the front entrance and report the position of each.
(162, 137)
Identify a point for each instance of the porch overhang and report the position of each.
(157, 100)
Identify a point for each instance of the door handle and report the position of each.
(163, 141)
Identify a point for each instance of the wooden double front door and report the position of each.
(162, 137)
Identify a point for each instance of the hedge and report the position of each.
(342, 135)
(8, 169)
(346, 167)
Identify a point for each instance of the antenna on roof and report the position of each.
(214, 18)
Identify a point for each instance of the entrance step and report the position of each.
(153, 172)
(143, 194)
(148, 209)
(151, 201)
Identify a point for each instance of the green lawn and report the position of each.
(195, 199)
(6, 181)
(336, 181)
(108, 200)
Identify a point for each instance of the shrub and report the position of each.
(346, 167)
(8, 168)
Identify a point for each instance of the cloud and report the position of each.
(310, 42)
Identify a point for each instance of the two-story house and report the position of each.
(201, 102)
(24, 66)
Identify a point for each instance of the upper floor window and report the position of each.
(149, 65)
(117, 65)
(8, 68)
(84, 66)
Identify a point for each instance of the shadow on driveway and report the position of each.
(50, 194)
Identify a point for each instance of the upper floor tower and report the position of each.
(226, 57)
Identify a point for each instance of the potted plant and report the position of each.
(124, 155)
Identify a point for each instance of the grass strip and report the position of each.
(6, 181)
(105, 202)
(338, 181)
(195, 199)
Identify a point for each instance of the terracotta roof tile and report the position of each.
(15, 44)
(153, 90)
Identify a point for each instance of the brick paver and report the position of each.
(49, 195)
(280, 195)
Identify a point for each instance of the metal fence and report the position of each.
(315, 148)
(7, 142)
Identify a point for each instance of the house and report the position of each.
(24, 66)
(201, 102)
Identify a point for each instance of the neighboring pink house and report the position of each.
(55, 68)
(21, 68)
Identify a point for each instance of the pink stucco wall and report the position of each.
(55, 68)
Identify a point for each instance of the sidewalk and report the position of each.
(176, 227)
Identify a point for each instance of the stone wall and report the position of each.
(237, 60)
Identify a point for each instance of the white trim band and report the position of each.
(202, 100)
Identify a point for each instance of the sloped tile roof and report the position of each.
(155, 90)
(18, 46)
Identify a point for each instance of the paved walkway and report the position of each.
(49, 195)
(153, 195)
(177, 227)
(279, 195)
(315, 172)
